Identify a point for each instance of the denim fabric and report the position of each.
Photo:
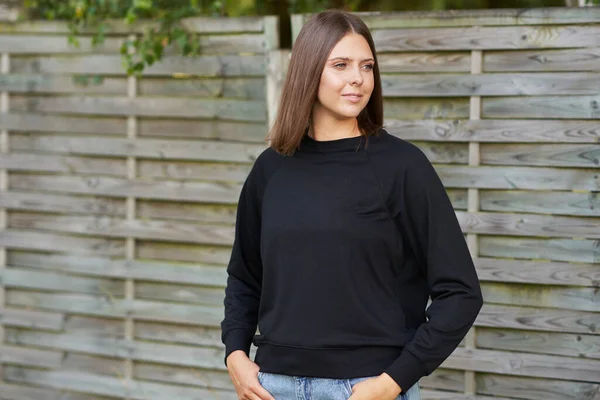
(285, 387)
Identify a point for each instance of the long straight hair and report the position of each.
(309, 54)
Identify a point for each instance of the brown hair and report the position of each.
(311, 49)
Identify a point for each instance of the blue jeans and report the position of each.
(285, 387)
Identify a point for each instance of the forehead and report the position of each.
(353, 46)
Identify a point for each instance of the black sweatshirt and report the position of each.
(336, 251)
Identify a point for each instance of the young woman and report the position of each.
(343, 232)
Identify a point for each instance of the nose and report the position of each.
(356, 78)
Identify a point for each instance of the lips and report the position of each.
(353, 97)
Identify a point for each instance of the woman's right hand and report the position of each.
(244, 375)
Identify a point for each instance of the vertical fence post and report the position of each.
(130, 244)
(472, 207)
(4, 148)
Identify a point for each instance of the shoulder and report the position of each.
(395, 152)
(265, 165)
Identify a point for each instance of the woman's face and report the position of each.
(347, 79)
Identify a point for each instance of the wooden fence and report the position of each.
(118, 198)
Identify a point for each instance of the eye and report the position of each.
(369, 67)
(340, 65)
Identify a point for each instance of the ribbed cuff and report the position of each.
(238, 339)
(406, 370)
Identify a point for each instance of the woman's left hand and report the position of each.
(382, 387)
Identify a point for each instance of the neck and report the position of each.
(324, 128)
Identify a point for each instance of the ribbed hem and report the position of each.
(406, 370)
(326, 363)
(237, 339)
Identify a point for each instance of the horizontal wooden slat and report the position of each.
(110, 64)
(167, 190)
(535, 388)
(23, 122)
(182, 334)
(524, 364)
(584, 107)
(179, 293)
(215, 379)
(53, 281)
(123, 228)
(482, 17)
(577, 299)
(242, 88)
(426, 394)
(540, 319)
(566, 203)
(113, 386)
(444, 379)
(60, 243)
(185, 170)
(201, 213)
(562, 344)
(80, 325)
(529, 225)
(240, 110)
(110, 267)
(60, 84)
(485, 38)
(497, 84)
(224, 24)
(586, 251)
(542, 60)
(117, 307)
(29, 392)
(29, 356)
(537, 272)
(32, 201)
(558, 155)
(519, 178)
(424, 62)
(31, 319)
(426, 108)
(490, 130)
(74, 165)
(197, 150)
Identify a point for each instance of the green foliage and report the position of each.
(141, 50)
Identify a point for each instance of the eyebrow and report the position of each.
(349, 59)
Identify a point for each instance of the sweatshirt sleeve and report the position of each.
(429, 222)
(244, 272)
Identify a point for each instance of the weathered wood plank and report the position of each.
(224, 24)
(197, 274)
(579, 299)
(18, 392)
(101, 365)
(566, 203)
(110, 64)
(23, 122)
(198, 129)
(535, 388)
(64, 204)
(48, 44)
(30, 357)
(483, 177)
(183, 252)
(73, 165)
(166, 190)
(53, 281)
(82, 326)
(427, 394)
(208, 171)
(31, 319)
(13, 238)
(424, 62)
(497, 84)
(537, 272)
(182, 334)
(237, 110)
(490, 130)
(183, 376)
(240, 88)
(201, 213)
(444, 379)
(539, 319)
(584, 107)
(113, 386)
(561, 344)
(558, 155)
(179, 293)
(486, 38)
(60, 84)
(425, 108)
(197, 150)
(123, 228)
(523, 364)
(528, 225)
(482, 17)
(542, 60)
(118, 307)
(587, 251)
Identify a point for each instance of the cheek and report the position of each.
(331, 85)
